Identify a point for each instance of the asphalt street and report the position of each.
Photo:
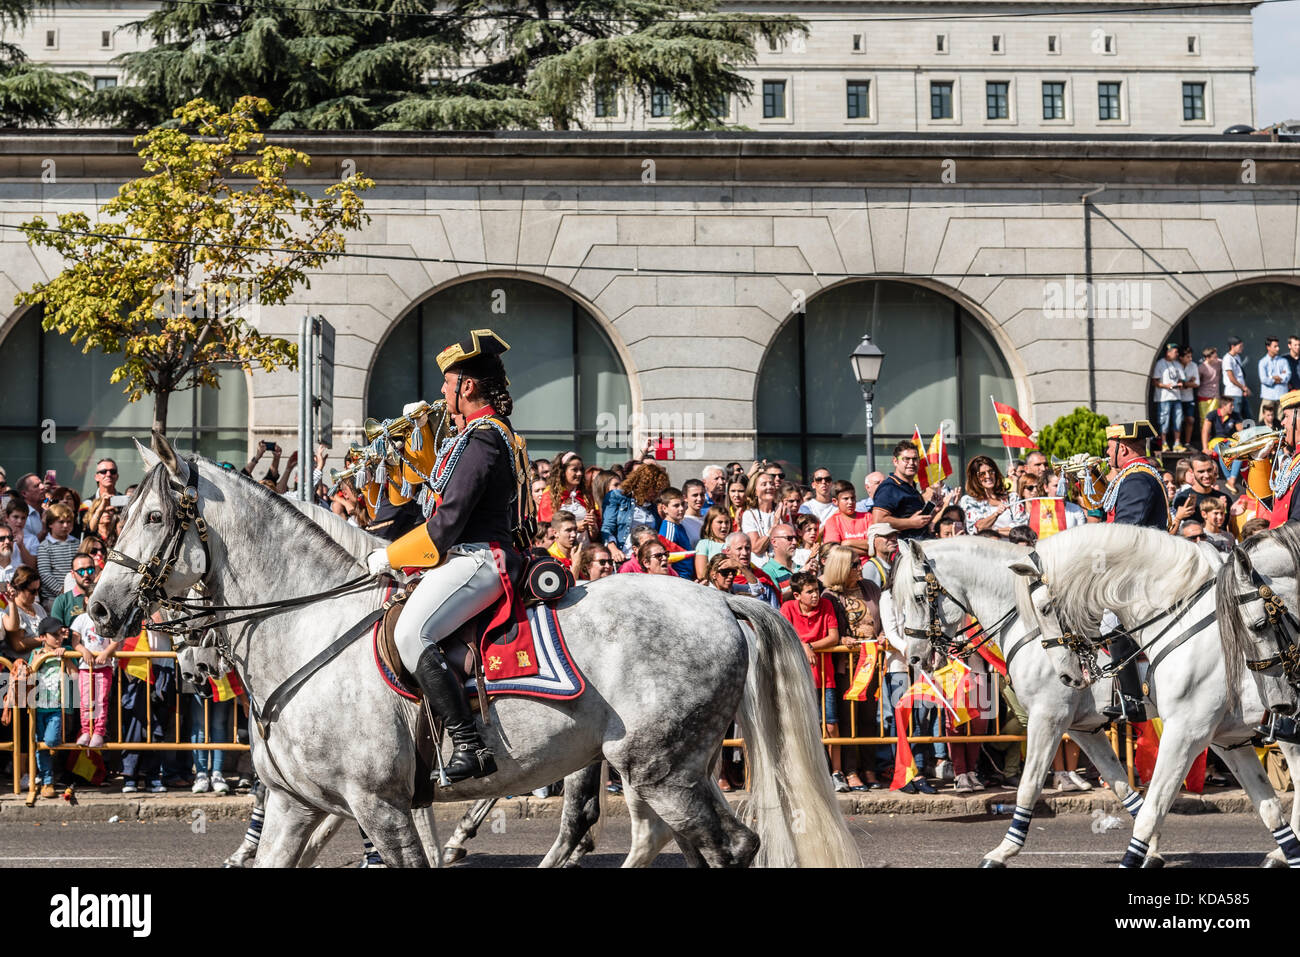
(1066, 840)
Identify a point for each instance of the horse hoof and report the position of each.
(1274, 862)
(453, 855)
(1154, 862)
(989, 862)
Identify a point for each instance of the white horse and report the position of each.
(972, 573)
(1161, 588)
(657, 699)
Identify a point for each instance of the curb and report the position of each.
(97, 807)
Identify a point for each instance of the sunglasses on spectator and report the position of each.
(821, 478)
(1195, 538)
(603, 561)
(106, 472)
(658, 555)
(6, 538)
(35, 589)
(726, 572)
(83, 572)
(783, 538)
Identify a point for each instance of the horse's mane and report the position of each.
(355, 540)
(1133, 571)
(275, 504)
(1234, 635)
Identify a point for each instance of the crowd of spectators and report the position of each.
(53, 548)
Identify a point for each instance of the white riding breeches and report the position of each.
(447, 597)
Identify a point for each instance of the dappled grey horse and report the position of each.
(667, 665)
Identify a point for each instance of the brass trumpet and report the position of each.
(1254, 443)
(401, 426)
(1090, 472)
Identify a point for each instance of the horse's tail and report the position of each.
(792, 802)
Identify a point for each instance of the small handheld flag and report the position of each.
(1015, 430)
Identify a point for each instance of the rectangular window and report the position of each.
(1108, 43)
(773, 45)
(939, 45)
(1053, 100)
(1193, 45)
(1108, 101)
(106, 39)
(606, 101)
(857, 43)
(105, 82)
(941, 100)
(995, 100)
(661, 103)
(997, 43)
(51, 39)
(859, 108)
(1053, 43)
(1193, 101)
(773, 99)
(722, 106)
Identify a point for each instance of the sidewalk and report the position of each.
(97, 804)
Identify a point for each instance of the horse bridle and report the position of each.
(1278, 618)
(968, 638)
(155, 573)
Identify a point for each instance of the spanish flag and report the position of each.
(1046, 516)
(138, 667)
(87, 765)
(226, 687)
(953, 680)
(937, 466)
(1148, 745)
(923, 473)
(1015, 430)
(868, 655)
(923, 690)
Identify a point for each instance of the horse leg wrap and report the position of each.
(1290, 845)
(1136, 853)
(371, 856)
(254, 833)
(1133, 803)
(1019, 829)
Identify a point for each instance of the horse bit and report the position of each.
(968, 638)
(1279, 619)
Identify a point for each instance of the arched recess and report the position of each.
(942, 363)
(1250, 309)
(568, 377)
(54, 390)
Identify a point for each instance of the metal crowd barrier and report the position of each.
(956, 737)
(69, 700)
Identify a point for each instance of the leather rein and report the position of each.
(1278, 618)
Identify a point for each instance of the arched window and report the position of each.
(566, 379)
(52, 388)
(1252, 313)
(940, 366)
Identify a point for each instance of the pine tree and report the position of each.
(411, 64)
(32, 95)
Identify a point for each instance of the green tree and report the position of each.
(32, 95)
(416, 65)
(172, 271)
(1080, 431)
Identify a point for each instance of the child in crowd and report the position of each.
(713, 539)
(693, 520)
(807, 528)
(54, 557)
(564, 528)
(48, 680)
(847, 526)
(672, 508)
(94, 676)
(813, 618)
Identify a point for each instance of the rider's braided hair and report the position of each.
(490, 374)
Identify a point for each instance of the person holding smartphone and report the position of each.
(898, 503)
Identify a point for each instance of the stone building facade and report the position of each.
(726, 277)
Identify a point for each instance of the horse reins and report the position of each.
(969, 638)
(1276, 614)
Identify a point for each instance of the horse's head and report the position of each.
(162, 549)
(1256, 601)
(197, 665)
(1036, 605)
(931, 618)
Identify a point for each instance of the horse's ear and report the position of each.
(146, 454)
(166, 454)
(1023, 566)
(913, 548)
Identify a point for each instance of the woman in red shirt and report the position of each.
(566, 490)
(813, 618)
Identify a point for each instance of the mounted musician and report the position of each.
(477, 504)
(1135, 495)
(1286, 463)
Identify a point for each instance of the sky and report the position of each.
(1277, 53)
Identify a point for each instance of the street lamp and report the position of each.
(867, 360)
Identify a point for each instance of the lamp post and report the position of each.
(867, 360)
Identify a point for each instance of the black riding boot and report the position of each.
(1131, 707)
(470, 757)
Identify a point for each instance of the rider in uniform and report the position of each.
(1286, 466)
(1136, 496)
(479, 504)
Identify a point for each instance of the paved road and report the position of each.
(1201, 840)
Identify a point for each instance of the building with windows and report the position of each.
(997, 65)
(711, 287)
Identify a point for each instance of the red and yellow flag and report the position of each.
(226, 687)
(904, 763)
(937, 466)
(138, 667)
(1046, 516)
(868, 655)
(1015, 430)
(922, 473)
(1148, 745)
(953, 680)
(87, 765)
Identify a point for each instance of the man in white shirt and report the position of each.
(1274, 371)
(32, 491)
(715, 486)
(693, 521)
(1234, 378)
(1168, 379)
(1187, 394)
(822, 505)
